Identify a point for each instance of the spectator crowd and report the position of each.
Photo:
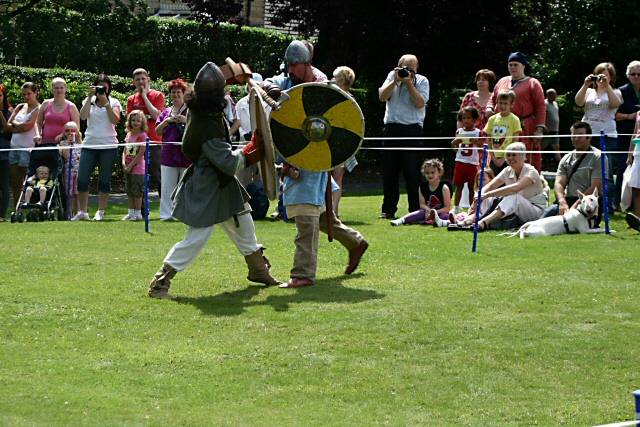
(512, 114)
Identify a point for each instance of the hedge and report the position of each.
(121, 41)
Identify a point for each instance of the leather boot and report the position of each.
(159, 286)
(259, 269)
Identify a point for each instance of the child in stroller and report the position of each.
(41, 182)
(43, 178)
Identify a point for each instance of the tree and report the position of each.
(215, 12)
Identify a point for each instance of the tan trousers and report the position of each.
(305, 259)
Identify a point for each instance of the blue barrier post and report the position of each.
(69, 189)
(605, 197)
(474, 247)
(636, 396)
(147, 160)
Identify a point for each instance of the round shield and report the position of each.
(318, 128)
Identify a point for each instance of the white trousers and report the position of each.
(523, 208)
(184, 252)
(170, 178)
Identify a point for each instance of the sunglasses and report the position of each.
(634, 74)
(511, 154)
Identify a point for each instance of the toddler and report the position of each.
(41, 182)
(71, 159)
(467, 159)
(133, 163)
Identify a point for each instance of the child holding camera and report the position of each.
(133, 163)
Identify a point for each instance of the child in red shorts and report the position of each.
(467, 140)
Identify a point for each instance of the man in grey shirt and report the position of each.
(579, 170)
(552, 126)
(405, 93)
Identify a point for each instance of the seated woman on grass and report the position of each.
(520, 188)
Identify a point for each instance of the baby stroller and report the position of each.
(52, 208)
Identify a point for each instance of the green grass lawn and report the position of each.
(525, 332)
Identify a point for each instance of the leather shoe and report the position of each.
(632, 221)
(355, 255)
(297, 282)
(385, 215)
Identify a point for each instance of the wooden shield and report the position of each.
(318, 128)
(260, 124)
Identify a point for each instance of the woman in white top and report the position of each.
(102, 114)
(520, 187)
(601, 101)
(22, 125)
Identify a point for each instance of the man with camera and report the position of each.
(151, 102)
(405, 93)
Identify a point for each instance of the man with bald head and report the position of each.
(405, 93)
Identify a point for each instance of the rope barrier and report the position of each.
(399, 148)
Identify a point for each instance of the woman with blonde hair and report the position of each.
(344, 78)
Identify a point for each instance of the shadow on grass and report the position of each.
(329, 290)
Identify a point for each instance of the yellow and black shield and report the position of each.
(318, 128)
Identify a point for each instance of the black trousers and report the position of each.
(4, 187)
(406, 161)
(154, 167)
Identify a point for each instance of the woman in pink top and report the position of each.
(529, 105)
(54, 114)
(485, 79)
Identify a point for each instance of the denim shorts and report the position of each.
(20, 158)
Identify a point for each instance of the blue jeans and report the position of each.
(89, 158)
(616, 164)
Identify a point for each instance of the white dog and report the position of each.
(575, 220)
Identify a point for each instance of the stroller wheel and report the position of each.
(20, 217)
(52, 216)
(14, 217)
(60, 215)
(42, 216)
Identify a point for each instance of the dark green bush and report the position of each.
(120, 41)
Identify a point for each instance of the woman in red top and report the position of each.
(485, 79)
(529, 105)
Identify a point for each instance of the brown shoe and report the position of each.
(355, 255)
(259, 266)
(159, 286)
(297, 282)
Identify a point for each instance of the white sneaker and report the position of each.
(99, 216)
(81, 216)
(435, 218)
(127, 217)
(396, 222)
(136, 218)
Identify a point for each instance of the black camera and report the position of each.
(595, 78)
(403, 72)
(100, 90)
